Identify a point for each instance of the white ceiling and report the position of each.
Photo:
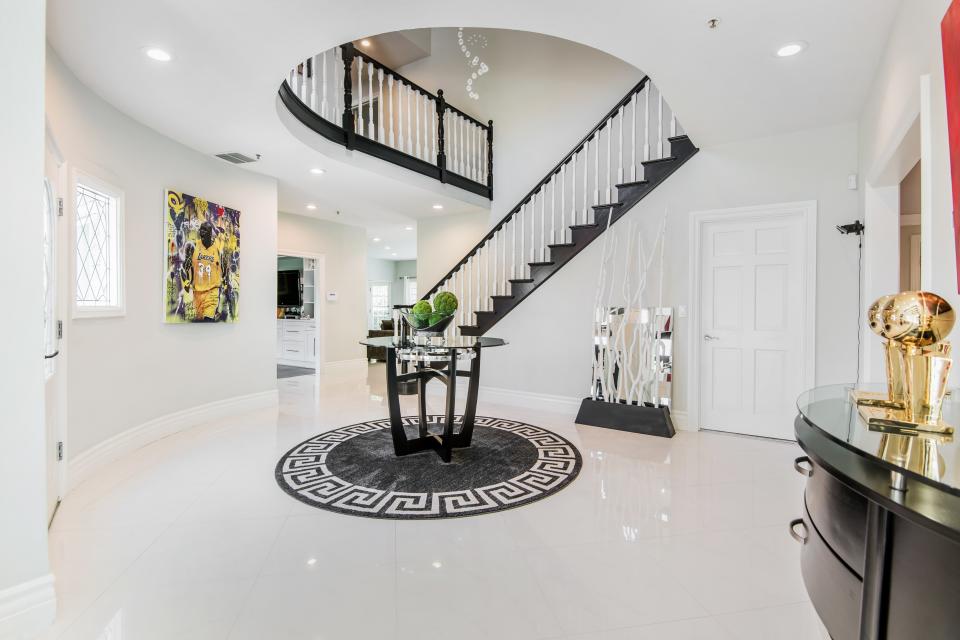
(219, 92)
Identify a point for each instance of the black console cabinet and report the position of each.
(877, 562)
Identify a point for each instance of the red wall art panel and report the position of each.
(950, 32)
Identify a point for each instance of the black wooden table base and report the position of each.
(443, 443)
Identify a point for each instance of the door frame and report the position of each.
(319, 294)
(63, 248)
(806, 210)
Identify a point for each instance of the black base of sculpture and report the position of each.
(651, 421)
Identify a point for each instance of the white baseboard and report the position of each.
(516, 398)
(340, 365)
(83, 465)
(681, 421)
(27, 609)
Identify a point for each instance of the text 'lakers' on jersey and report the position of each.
(207, 272)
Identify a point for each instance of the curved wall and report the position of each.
(129, 371)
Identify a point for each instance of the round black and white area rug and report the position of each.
(353, 470)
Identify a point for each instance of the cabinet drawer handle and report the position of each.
(802, 539)
(803, 470)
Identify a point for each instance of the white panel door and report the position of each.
(751, 316)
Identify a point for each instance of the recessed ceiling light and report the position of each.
(408, 228)
(364, 43)
(376, 239)
(791, 49)
(438, 206)
(311, 206)
(317, 171)
(387, 248)
(158, 54)
(394, 255)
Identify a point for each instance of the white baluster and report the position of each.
(586, 171)
(360, 130)
(563, 203)
(305, 85)
(431, 116)
(323, 96)
(496, 251)
(380, 132)
(400, 86)
(392, 140)
(463, 146)
(513, 246)
(673, 124)
(504, 240)
(659, 124)
(533, 228)
(419, 149)
(471, 150)
(543, 224)
(486, 275)
(646, 122)
(522, 273)
(371, 125)
(610, 159)
(409, 125)
(633, 139)
(553, 209)
(596, 170)
(314, 87)
(620, 152)
(426, 125)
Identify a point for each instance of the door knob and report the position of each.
(707, 336)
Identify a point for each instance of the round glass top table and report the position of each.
(930, 457)
(433, 358)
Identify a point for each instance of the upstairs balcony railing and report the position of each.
(352, 99)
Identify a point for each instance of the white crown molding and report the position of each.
(27, 609)
(83, 465)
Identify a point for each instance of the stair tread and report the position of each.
(607, 206)
(591, 225)
(503, 296)
(484, 311)
(562, 244)
(519, 280)
(634, 183)
(682, 136)
(663, 159)
(541, 264)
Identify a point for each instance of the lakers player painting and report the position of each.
(202, 261)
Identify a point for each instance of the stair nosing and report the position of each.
(663, 159)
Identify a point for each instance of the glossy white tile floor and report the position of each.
(657, 539)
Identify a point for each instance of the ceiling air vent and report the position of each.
(236, 158)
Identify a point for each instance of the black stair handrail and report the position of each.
(546, 179)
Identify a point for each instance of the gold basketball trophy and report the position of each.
(914, 325)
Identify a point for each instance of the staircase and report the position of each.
(633, 149)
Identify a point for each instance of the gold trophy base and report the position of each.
(895, 421)
(874, 399)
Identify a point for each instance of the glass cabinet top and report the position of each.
(933, 458)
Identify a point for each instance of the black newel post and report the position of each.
(348, 124)
(441, 137)
(490, 157)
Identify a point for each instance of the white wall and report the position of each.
(543, 94)
(892, 107)
(403, 268)
(550, 332)
(129, 370)
(441, 243)
(344, 249)
(24, 570)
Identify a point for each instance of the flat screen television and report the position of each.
(289, 293)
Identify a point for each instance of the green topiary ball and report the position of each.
(436, 317)
(445, 303)
(422, 308)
